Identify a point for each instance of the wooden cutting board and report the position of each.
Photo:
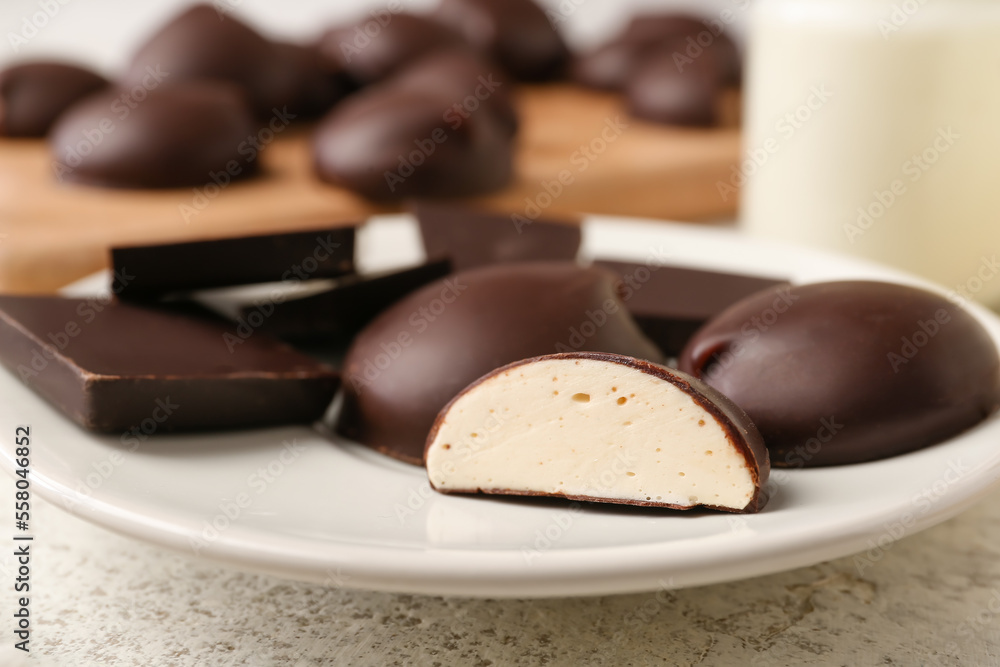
(579, 152)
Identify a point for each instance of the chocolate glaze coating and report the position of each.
(109, 365)
(659, 90)
(389, 144)
(516, 33)
(310, 85)
(410, 361)
(610, 65)
(368, 58)
(33, 95)
(178, 136)
(844, 372)
(471, 84)
(207, 43)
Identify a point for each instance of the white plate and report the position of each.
(338, 513)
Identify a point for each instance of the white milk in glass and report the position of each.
(873, 128)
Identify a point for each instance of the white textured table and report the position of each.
(102, 599)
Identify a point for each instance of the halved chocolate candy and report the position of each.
(111, 366)
(844, 372)
(412, 359)
(598, 427)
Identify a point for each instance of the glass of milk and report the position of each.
(873, 127)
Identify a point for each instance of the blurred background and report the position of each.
(104, 33)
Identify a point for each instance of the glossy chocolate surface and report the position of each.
(844, 372)
(516, 33)
(681, 36)
(156, 270)
(34, 94)
(472, 237)
(389, 144)
(179, 135)
(110, 366)
(207, 42)
(371, 50)
(415, 357)
(670, 303)
(469, 83)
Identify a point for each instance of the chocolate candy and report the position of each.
(180, 135)
(111, 367)
(598, 427)
(411, 360)
(516, 33)
(844, 372)
(389, 144)
(32, 95)
(664, 91)
(469, 83)
(208, 43)
(156, 270)
(670, 303)
(471, 237)
(369, 51)
(682, 37)
(311, 85)
(338, 313)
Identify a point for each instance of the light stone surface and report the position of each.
(103, 599)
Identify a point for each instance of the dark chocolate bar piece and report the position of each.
(472, 237)
(113, 367)
(670, 303)
(156, 270)
(341, 311)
